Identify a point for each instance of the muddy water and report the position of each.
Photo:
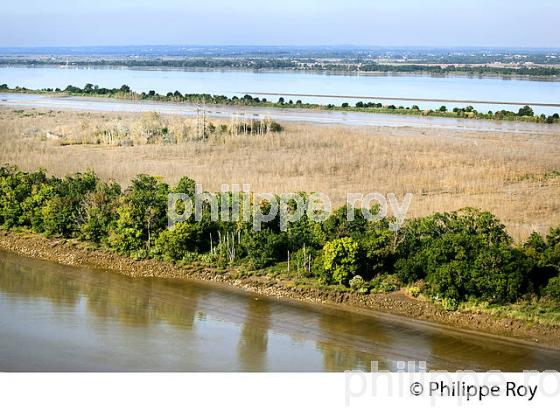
(58, 318)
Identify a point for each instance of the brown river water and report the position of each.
(60, 318)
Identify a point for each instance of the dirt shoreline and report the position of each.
(397, 304)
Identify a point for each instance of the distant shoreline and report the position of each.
(248, 101)
(442, 100)
(339, 72)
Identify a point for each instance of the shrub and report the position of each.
(553, 288)
(414, 291)
(57, 218)
(318, 267)
(303, 260)
(173, 244)
(449, 304)
(385, 283)
(358, 284)
(264, 247)
(32, 206)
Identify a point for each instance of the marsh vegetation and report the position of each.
(514, 176)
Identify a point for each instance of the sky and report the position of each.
(441, 23)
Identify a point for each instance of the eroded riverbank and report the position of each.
(398, 305)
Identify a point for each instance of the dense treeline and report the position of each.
(525, 113)
(436, 67)
(452, 257)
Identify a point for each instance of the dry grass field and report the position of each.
(515, 176)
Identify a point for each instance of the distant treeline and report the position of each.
(524, 114)
(305, 64)
(451, 257)
(460, 69)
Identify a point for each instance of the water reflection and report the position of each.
(60, 318)
(337, 356)
(109, 296)
(253, 339)
(23, 280)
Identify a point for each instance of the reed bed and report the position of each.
(515, 176)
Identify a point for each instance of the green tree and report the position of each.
(526, 111)
(141, 215)
(305, 232)
(100, 212)
(340, 259)
(21, 197)
(538, 251)
(63, 212)
(264, 247)
(32, 215)
(463, 254)
(187, 186)
(338, 224)
(378, 244)
(173, 244)
(496, 274)
(552, 252)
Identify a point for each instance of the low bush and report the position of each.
(552, 290)
(358, 284)
(385, 283)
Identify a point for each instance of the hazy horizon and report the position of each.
(291, 46)
(361, 23)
